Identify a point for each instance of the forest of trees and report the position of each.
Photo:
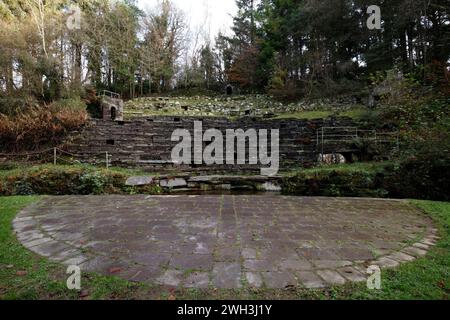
(112, 45)
(285, 47)
(297, 46)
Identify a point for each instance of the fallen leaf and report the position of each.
(84, 293)
(289, 287)
(115, 270)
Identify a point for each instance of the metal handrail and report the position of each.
(55, 156)
(107, 93)
(354, 133)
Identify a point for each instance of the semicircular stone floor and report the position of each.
(226, 241)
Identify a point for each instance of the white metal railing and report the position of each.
(330, 135)
(110, 94)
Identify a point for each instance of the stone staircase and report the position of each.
(146, 142)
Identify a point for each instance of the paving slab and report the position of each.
(331, 277)
(227, 275)
(254, 279)
(197, 280)
(279, 280)
(352, 274)
(226, 241)
(310, 280)
(171, 278)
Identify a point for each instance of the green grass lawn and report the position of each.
(305, 115)
(355, 113)
(359, 113)
(24, 275)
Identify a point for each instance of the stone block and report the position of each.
(173, 183)
(139, 181)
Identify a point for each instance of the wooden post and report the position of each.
(107, 160)
(54, 156)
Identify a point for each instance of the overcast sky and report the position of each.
(212, 15)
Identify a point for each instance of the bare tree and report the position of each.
(164, 30)
(37, 10)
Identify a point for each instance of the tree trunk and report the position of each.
(9, 78)
(77, 67)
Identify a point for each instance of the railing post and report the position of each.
(54, 156)
(107, 160)
(322, 143)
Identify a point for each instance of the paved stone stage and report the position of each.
(226, 241)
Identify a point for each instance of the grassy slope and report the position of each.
(355, 113)
(22, 169)
(426, 278)
(306, 115)
(365, 166)
(368, 167)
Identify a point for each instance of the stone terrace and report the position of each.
(146, 142)
(226, 241)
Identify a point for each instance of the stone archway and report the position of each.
(229, 90)
(113, 113)
(112, 108)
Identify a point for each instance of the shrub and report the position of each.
(23, 188)
(8, 166)
(424, 175)
(335, 183)
(70, 104)
(93, 102)
(69, 181)
(13, 105)
(92, 183)
(40, 126)
(371, 150)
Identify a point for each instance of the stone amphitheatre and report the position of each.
(243, 234)
(224, 150)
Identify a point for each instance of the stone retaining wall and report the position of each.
(146, 142)
(211, 183)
